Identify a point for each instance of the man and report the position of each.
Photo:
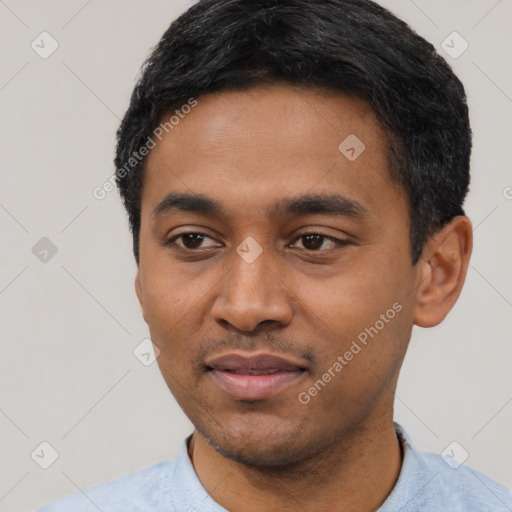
(294, 174)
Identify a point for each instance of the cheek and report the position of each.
(168, 292)
(351, 300)
(163, 303)
(361, 352)
(169, 303)
(362, 314)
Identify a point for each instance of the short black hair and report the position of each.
(351, 47)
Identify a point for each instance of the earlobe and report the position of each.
(442, 271)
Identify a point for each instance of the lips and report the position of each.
(254, 376)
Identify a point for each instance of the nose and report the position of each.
(253, 293)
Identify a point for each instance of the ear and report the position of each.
(442, 271)
(138, 291)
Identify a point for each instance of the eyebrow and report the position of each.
(308, 204)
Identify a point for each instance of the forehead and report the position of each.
(270, 142)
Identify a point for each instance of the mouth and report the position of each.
(252, 377)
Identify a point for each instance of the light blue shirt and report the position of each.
(427, 483)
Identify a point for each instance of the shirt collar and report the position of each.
(414, 477)
(187, 491)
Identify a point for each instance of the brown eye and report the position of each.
(190, 241)
(319, 242)
(313, 242)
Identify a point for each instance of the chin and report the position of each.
(271, 446)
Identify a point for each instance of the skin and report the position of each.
(307, 301)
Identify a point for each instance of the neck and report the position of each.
(354, 473)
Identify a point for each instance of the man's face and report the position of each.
(249, 312)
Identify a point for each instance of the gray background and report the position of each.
(69, 325)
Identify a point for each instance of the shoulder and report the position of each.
(465, 488)
(430, 481)
(146, 489)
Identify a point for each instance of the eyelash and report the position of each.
(170, 242)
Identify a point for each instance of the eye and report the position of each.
(316, 241)
(190, 240)
(194, 240)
